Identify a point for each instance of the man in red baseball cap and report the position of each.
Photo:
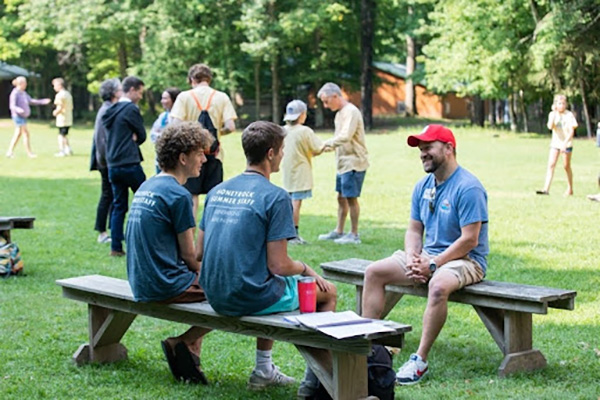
(433, 133)
(449, 210)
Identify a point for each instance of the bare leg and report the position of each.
(354, 213)
(296, 204)
(569, 171)
(61, 144)
(264, 344)
(377, 275)
(14, 140)
(192, 339)
(552, 159)
(326, 301)
(440, 288)
(27, 141)
(342, 213)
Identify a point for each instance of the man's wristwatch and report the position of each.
(432, 266)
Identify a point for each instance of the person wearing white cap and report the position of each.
(301, 144)
(449, 210)
(351, 158)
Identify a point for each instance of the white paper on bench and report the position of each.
(339, 325)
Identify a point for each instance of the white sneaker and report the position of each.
(104, 238)
(297, 240)
(349, 238)
(412, 371)
(59, 154)
(258, 381)
(330, 236)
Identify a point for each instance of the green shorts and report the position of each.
(288, 301)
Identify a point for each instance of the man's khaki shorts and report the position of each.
(466, 270)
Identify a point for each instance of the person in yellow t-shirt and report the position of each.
(351, 157)
(301, 144)
(64, 116)
(562, 123)
(187, 107)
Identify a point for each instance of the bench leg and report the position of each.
(513, 333)
(391, 299)
(343, 375)
(106, 328)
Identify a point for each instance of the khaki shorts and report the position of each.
(466, 270)
(193, 294)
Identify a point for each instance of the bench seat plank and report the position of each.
(8, 223)
(518, 297)
(339, 363)
(116, 294)
(504, 308)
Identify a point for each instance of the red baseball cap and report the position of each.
(432, 133)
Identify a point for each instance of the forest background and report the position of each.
(266, 52)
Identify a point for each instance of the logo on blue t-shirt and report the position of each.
(445, 206)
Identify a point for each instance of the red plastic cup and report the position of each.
(307, 294)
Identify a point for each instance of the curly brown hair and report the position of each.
(184, 137)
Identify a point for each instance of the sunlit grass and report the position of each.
(549, 240)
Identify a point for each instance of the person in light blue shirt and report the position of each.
(242, 244)
(449, 211)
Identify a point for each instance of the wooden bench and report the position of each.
(505, 308)
(340, 364)
(9, 223)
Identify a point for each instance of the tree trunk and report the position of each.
(511, 112)
(366, 75)
(492, 112)
(586, 112)
(276, 113)
(149, 94)
(523, 111)
(122, 57)
(257, 89)
(409, 88)
(477, 115)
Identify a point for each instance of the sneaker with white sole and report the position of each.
(349, 238)
(412, 371)
(297, 240)
(330, 236)
(104, 238)
(258, 381)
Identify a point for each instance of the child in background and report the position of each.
(563, 124)
(300, 145)
(64, 116)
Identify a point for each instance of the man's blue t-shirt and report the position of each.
(161, 209)
(240, 216)
(458, 201)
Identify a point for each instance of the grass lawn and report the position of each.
(541, 240)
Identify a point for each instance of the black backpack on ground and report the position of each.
(206, 122)
(381, 375)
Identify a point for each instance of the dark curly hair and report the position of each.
(183, 137)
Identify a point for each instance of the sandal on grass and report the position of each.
(189, 365)
(543, 192)
(171, 359)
